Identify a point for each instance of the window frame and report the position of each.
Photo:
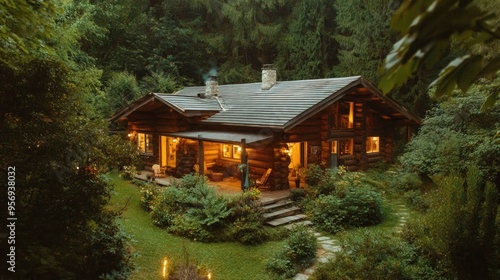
(369, 144)
(230, 151)
(342, 146)
(145, 146)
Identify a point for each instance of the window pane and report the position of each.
(334, 147)
(236, 152)
(372, 144)
(226, 150)
(346, 147)
(346, 114)
(141, 142)
(149, 143)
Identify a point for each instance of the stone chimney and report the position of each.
(268, 76)
(211, 87)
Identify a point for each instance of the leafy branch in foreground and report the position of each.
(429, 28)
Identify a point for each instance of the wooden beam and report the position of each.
(201, 156)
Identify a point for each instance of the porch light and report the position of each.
(209, 276)
(175, 140)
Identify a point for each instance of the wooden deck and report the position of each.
(229, 186)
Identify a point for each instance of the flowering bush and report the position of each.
(128, 172)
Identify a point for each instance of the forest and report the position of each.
(66, 66)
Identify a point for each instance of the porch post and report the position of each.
(201, 158)
(244, 163)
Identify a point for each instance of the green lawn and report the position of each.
(225, 260)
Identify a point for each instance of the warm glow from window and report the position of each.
(236, 152)
(372, 144)
(346, 147)
(145, 143)
(231, 151)
(346, 114)
(227, 151)
(334, 147)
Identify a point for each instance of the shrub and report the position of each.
(149, 193)
(190, 227)
(165, 205)
(194, 210)
(313, 174)
(455, 134)
(297, 194)
(205, 205)
(461, 227)
(128, 172)
(246, 222)
(416, 200)
(354, 207)
(376, 255)
(406, 181)
(298, 253)
(190, 181)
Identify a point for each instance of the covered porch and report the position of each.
(225, 156)
(229, 186)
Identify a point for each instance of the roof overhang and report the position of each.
(225, 136)
(402, 110)
(125, 112)
(155, 97)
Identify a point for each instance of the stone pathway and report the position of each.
(329, 246)
(326, 250)
(402, 212)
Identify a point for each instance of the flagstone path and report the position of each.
(329, 246)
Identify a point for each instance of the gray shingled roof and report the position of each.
(248, 105)
(184, 103)
(283, 106)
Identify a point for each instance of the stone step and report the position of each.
(277, 205)
(282, 212)
(267, 200)
(301, 223)
(286, 220)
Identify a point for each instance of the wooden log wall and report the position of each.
(279, 176)
(187, 156)
(211, 153)
(260, 159)
(309, 130)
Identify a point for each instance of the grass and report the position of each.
(151, 244)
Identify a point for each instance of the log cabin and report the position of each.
(269, 124)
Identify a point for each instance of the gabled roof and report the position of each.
(285, 105)
(279, 106)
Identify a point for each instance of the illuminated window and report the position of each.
(231, 151)
(236, 152)
(346, 147)
(346, 114)
(372, 144)
(334, 147)
(145, 143)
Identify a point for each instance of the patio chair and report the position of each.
(158, 173)
(263, 183)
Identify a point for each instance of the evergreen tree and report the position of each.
(308, 50)
(64, 229)
(364, 36)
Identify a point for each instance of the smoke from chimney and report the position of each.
(211, 87)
